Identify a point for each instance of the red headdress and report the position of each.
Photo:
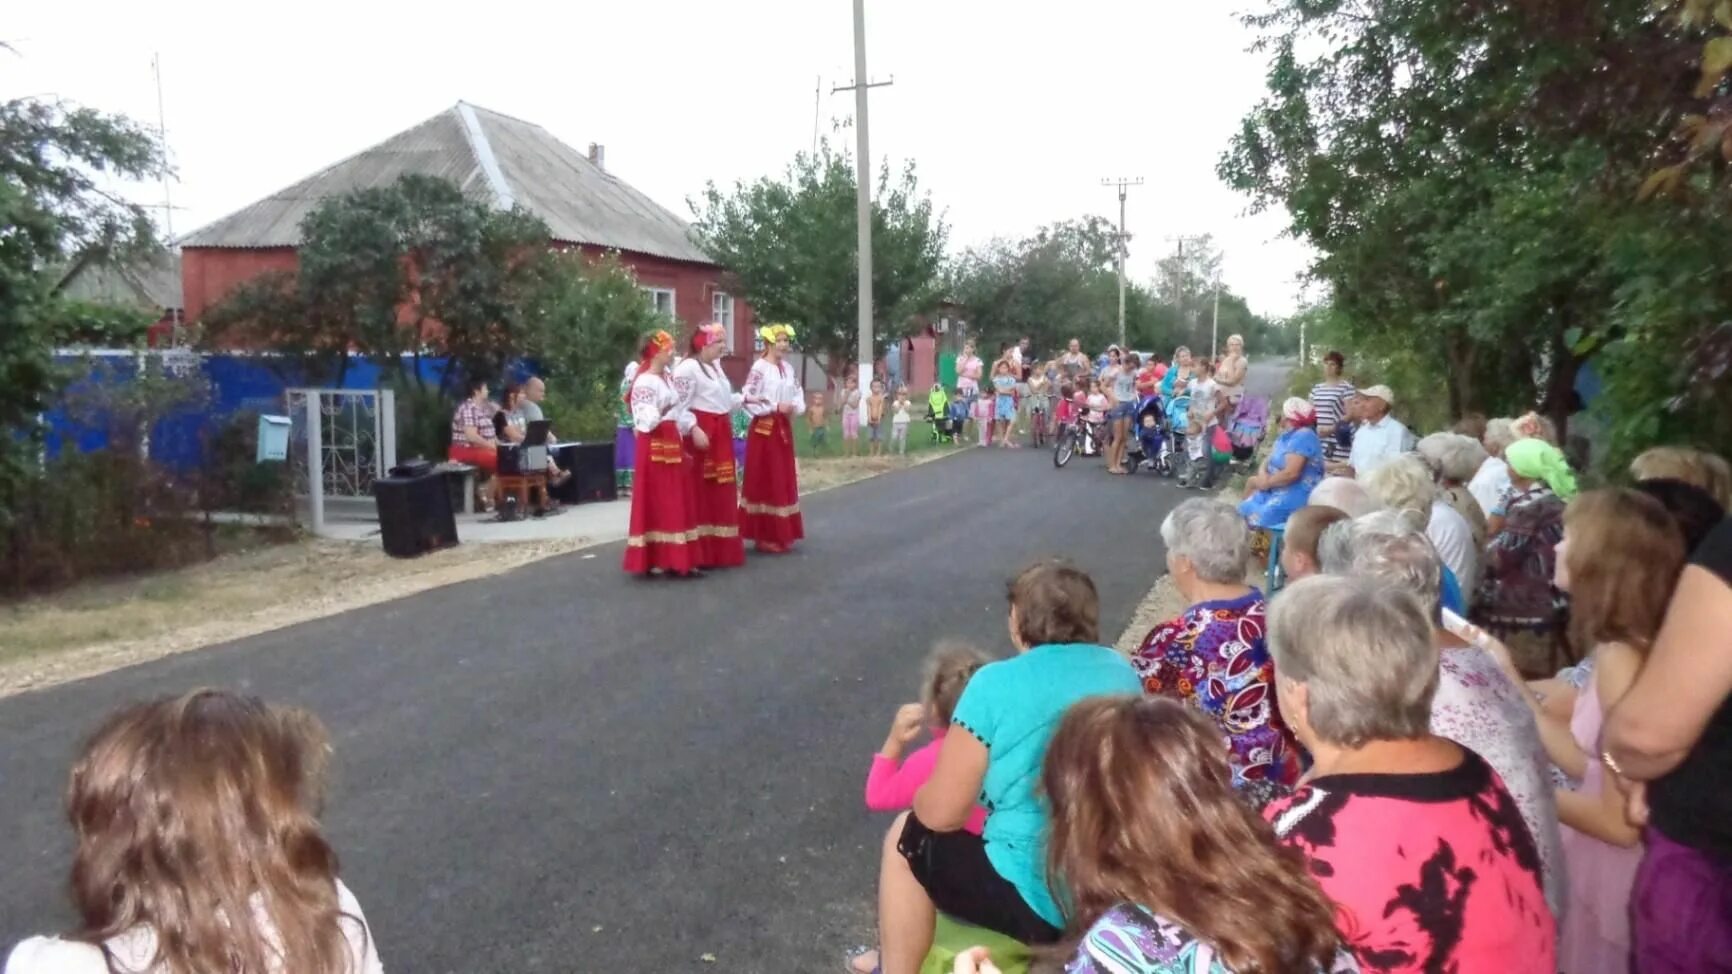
(654, 344)
(708, 334)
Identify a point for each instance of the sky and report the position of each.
(1013, 113)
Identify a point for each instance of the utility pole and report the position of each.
(162, 146)
(1124, 241)
(1179, 284)
(863, 191)
(1215, 328)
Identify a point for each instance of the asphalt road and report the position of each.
(566, 769)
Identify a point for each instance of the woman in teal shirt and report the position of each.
(1009, 712)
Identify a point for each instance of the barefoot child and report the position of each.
(893, 780)
(875, 418)
(851, 403)
(818, 424)
(899, 419)
(1004, 401)
(982, 411)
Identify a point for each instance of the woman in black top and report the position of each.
(1670, 742)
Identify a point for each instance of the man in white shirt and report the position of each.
(1379, 437)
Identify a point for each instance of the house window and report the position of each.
(661, 300)
(722, 310)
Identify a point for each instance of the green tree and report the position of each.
(1469, 176)
(790, 243)
(54, 159)
(401, 270)
(585, 318)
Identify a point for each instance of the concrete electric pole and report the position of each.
(1124, 241)
(863, 191)
(1179, 286)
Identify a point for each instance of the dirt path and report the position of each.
(101, 626)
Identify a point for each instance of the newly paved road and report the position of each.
(564, 769)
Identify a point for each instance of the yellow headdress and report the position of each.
(771, 334)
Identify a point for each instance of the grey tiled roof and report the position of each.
(151, 280)
(491, 156)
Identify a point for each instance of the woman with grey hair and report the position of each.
(1406, 484)
(1491, 481)
(1212, 655)
(1454, 459)
(1476, 705)
(1390, 809)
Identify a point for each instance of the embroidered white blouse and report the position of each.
(704, 388)
(654, 400)
(769, 385)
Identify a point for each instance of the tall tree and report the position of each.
(392, 271)
(1468, 174)
(791, 245)
(53, 211)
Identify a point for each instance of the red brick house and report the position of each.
(508, 162)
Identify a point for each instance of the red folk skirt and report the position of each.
(716, 489)
(664, 522)
(770, 499)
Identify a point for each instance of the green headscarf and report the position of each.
(1535, 459)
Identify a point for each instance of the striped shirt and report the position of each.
(1330, 402)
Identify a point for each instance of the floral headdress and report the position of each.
(771, 334)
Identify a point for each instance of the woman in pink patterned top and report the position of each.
(1213, 655)
(1413, 836)
(1476, 705)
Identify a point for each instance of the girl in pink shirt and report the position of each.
(893, 780)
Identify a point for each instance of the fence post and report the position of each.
(316, 460)
(388, 431)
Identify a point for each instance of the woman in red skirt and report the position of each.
(664, 532)
(770, 499)
(710, 397)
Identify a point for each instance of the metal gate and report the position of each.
(341, 440)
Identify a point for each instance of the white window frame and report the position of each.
(722, 309)
(655, 299)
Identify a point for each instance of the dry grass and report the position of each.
(101, 626)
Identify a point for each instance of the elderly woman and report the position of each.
(1405, 484)
(1515, 598)
(1476, 705)
(1212, 655)
(1295, 466)
(1706, 471)
(1345, 495)
(1491, 481)
(1454, 459)
(1392, 816)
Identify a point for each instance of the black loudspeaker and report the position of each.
(415, 514)
(591, 466)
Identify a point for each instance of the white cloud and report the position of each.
(1013, 113)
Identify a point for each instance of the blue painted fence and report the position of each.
(238, 384)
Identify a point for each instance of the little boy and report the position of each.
(819, 429)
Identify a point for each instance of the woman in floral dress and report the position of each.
(1213, 656)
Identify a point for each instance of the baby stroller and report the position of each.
(1147, 449)
(1247, 427)
(1173, 457)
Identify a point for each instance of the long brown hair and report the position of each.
(1623, 558)
(1144, 812)
(196, 814)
